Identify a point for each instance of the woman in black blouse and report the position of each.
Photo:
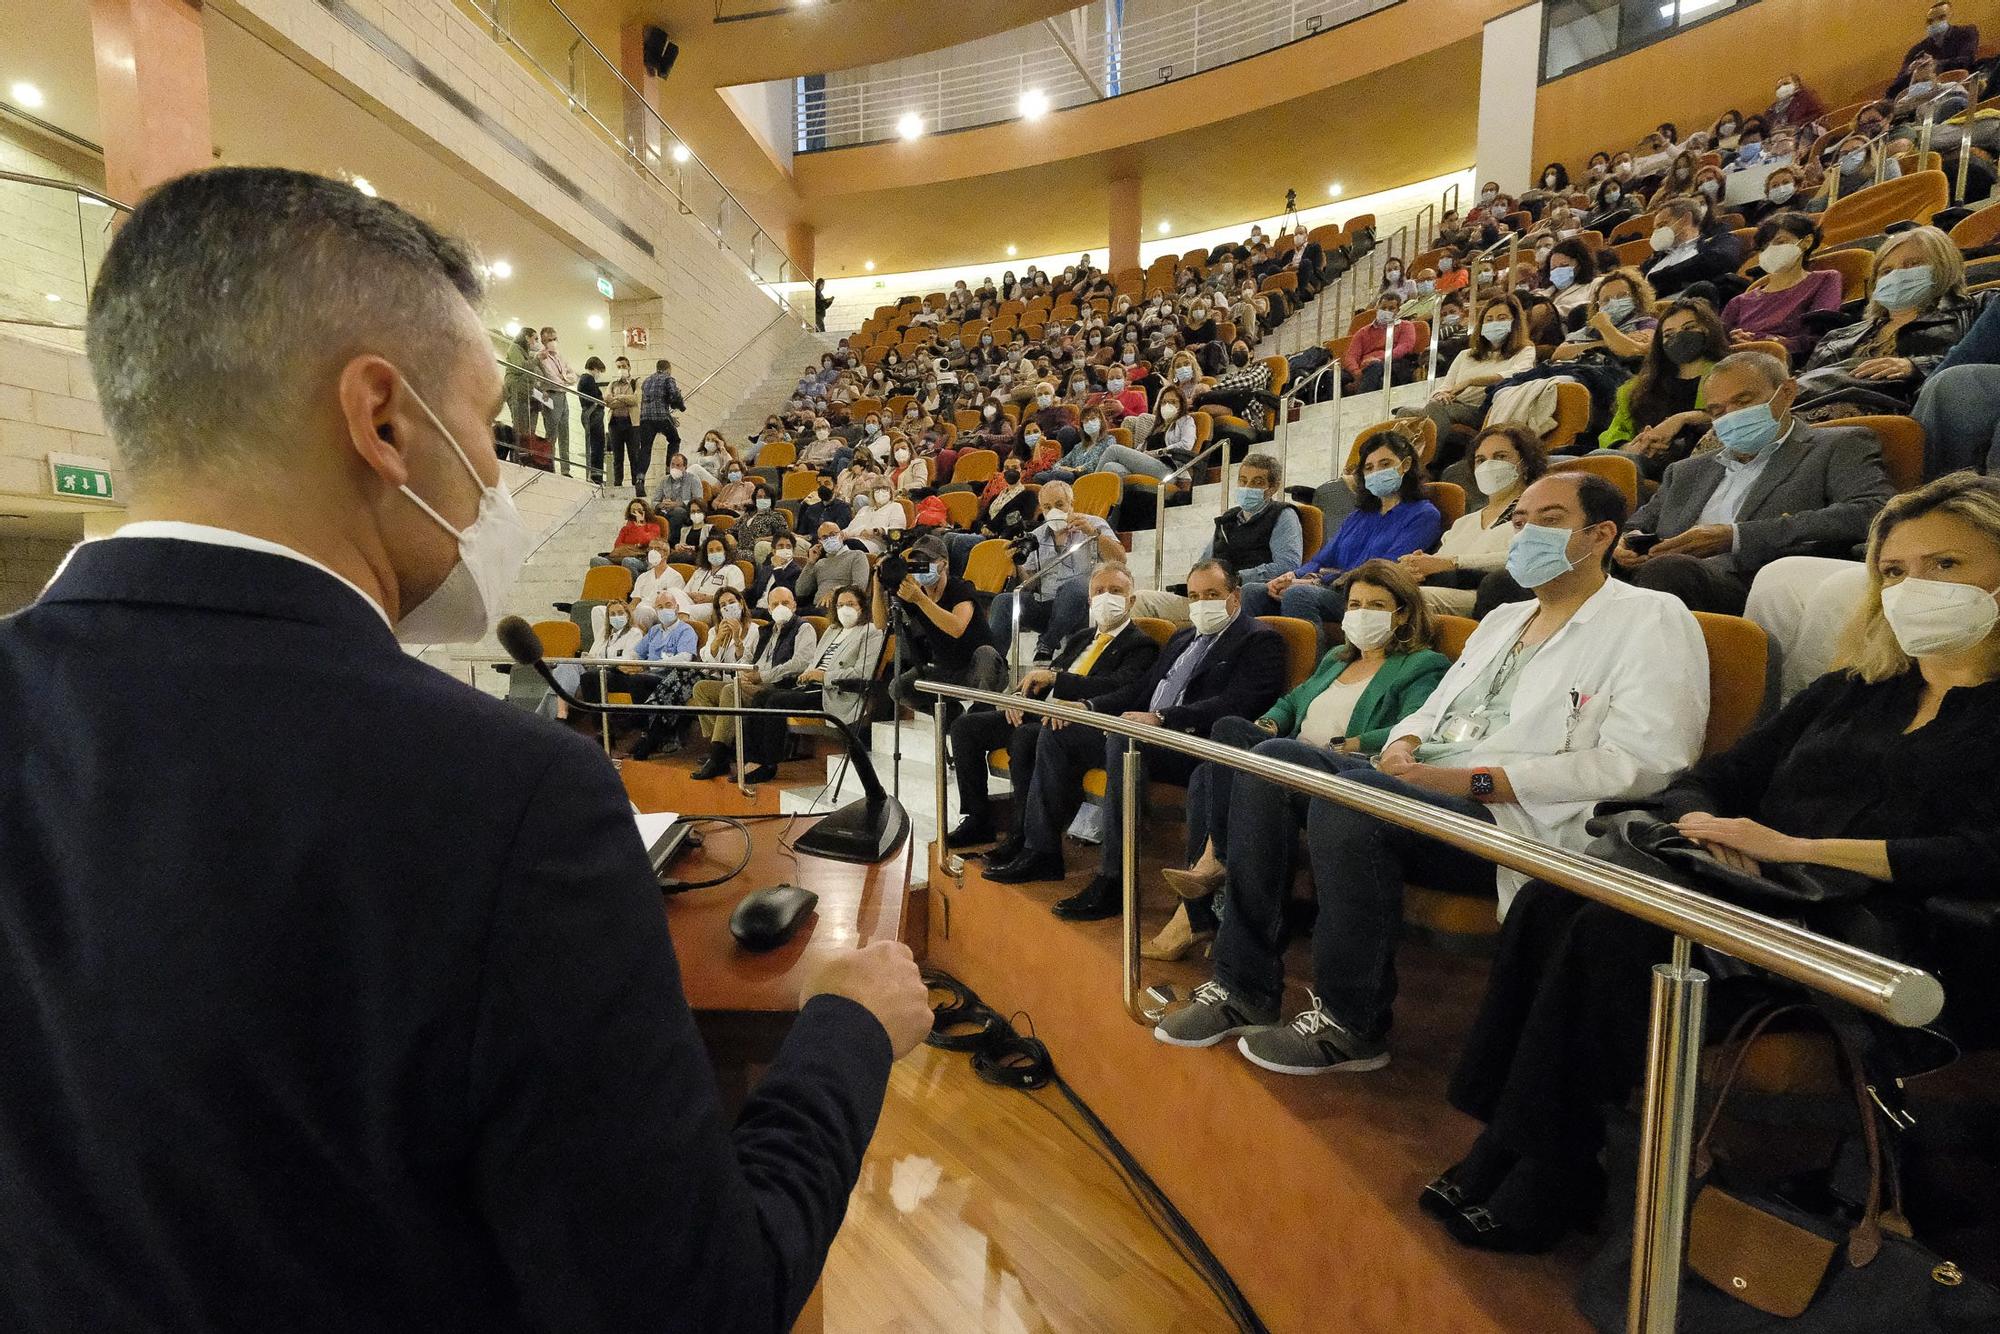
(1846, 778)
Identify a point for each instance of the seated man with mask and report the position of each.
(1107, 656)
(1059, 554)
(1592, 691)
(1777, 487)
(1226, 665)
(832, 563)
(1256, 540)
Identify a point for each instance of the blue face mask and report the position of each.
(1749, 153)
(1250, 498)
(1538, 554)
(1383, 482)
(1620, 308)
(1749, 431)
(1385, 317)
(1561, 276)
(926, 578)
(1900, 289)
(1851, 162)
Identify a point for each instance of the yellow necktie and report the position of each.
(1091, 654)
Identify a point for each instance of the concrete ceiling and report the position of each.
(1420, 116)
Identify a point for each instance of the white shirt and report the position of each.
(1738, 476)
(1612, 706)
(229, 537)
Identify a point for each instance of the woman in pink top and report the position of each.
(1775, 307)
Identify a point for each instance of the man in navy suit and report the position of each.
(1227, 665)
(337, 994)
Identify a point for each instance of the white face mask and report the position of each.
(1107, 610)
(882, 494)
(1777, 257)
(653, 558)
(715, 558)
(1495, 476)
(1056, 518)
(849, 616)
(1170, 410)
(902, 456)
(780, 614)
(1367, 627)
(782, 557)
(491, 551)
(1931, 617)
(732, 612)
(1208, 617)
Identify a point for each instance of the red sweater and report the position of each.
(637, 534)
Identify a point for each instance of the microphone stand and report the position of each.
(868, 830)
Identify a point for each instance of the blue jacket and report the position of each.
(1414, 525)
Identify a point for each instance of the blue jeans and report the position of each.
(1359, 866)
(1308, 599)
(1959, 410)
(633, 563)
(1054, 620)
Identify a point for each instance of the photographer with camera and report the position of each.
(937, 618)
(1061, 549)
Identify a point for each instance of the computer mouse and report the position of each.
(766, 918)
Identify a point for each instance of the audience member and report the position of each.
(941, 624)
(635, 537)
(1256, 539)
(1660, 415)
(842, 670)
(1775, 306)
(1058, 555)
(831, 565)
(1369, 355)
(1688, 249)
(1592, 691)
(1505, 459)
(1917, 309)
(659, 399)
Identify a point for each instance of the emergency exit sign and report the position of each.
(79, 476)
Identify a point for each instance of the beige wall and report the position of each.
(47, 405)
(41, 250)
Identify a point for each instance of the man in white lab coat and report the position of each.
(1593, 691)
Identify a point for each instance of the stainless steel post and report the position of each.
(736, 698)
(1389, 368)
(1339, 382)
(604, 719)
(1128, 823)
(1666, 1140)
(948, 861)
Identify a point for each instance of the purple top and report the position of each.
(1777, 314)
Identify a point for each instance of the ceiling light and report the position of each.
(1164, 225)
(595, 321)
(910, 125)
(52, 296)
(500, 268)
(680, 153)
(870, 266)
(1012, 251)
(26, 95)
(1333, 191)
(1034, 103)
(512, 327)
(361, 184)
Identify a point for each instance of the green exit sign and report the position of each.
(604, 287)
(82, 477)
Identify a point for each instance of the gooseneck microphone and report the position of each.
(869, 829)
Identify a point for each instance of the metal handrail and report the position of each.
(71, 187)
(490, 11)
(1882, 987)
(730, 360)
(1160, 509)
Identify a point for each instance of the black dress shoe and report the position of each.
(1028, 867)
(1002, 853)
(717, 763)
(972, 829)
(763, 773)
(1100, 899)
(1533, 1210)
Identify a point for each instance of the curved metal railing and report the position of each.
(66, 227)
(1882, 987)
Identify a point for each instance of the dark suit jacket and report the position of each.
(1243, 675)
(1123, 661)
(1718, 254)
(339, 995)
(1815, 497)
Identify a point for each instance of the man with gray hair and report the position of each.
(366, 1014)
(1776, 487)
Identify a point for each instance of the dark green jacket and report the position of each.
(1396, 691)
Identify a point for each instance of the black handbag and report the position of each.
(1757, 1262)
(1639, 840)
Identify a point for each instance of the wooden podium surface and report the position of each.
(744, 1003)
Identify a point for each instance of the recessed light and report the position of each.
(1164, 226)
(680, 153)
(26, 94)
(361, 184)
(910, 125)
(512, 327)
(500, 268)
(1333, 191)
(870, 266)
(595, 321)
(52, 296)
(1034, 103)
(1012, 251)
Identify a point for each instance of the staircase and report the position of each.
(768, 395)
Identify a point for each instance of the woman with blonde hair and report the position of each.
(1918, 309)
(1842, 785)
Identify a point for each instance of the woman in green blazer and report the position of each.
(1382, 674)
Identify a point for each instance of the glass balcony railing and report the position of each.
(570, 65)
(53, 234)
(1576, 33)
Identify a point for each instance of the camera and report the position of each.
(900, 557)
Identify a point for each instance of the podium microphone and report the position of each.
(868, 829)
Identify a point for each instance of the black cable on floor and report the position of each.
(1003, 1057)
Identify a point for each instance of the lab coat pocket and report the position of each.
(1587, 711)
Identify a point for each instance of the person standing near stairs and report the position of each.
(659, 399)
(623, 397)
(557, 369)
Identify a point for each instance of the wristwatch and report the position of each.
(1482, 785)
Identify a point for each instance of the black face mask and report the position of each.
(1239, 358)
(826, 493)
(1685, 345)
(1012, 476)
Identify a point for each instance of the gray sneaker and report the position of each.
(1212, 1016)
(1314, 1043)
